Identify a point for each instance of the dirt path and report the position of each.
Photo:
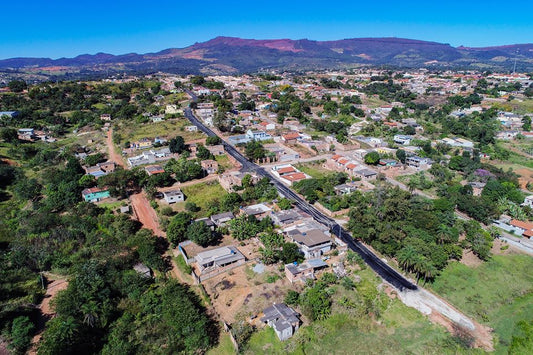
(113, 155)
(146, 214)
(55, 284)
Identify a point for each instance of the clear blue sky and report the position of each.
(57, 28)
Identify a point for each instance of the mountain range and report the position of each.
(230, 55)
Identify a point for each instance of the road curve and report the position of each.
(379, 266)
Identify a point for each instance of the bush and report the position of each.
(167, 211)
(292, 298)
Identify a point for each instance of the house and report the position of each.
(344, 189)
(232, 179)
(95, 194)
(312, 243)
(143, 270)
(257, 135)
(158, 118)
(218, 258)
(388, 162)
(365, 174)
(105, 117)
(305, 271)
(283, 319)
(216, 150)
(522, 228)
(154, 169)
(402, 139)
(291, 137)
(210, 166)
(418, 162)
(286, 217)
(222, 218)
(267, 126)
(290, 179)
(10, 114)
(528, 201)
(173, 196)
(259, 210)
(142, 143)
(191, 128)
(208, 222)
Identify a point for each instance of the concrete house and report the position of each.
(305, 271)
(283, 319)
(173, 196)
(218, 258)
(259, 210)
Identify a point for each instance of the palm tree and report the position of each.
(90, 313)
(407, 257)
(443, 234)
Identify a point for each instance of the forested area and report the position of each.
(423, 235)
(107, 306)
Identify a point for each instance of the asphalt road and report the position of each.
(380, 267)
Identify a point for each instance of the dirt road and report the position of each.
(113, 155)
(145, 213)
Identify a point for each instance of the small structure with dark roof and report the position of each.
(283, 319)
(222, 218)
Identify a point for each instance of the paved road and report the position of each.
(380, 267)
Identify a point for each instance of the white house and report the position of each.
(173, 196)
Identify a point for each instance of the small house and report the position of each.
(173, 196)
(222, 218)
(218, 258)
(283, 319)
(95, 194)
(210, 166)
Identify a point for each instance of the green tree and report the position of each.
(200, 233)
(21, 334)
(401, 155)
(177, 229)
(17, 85)
(177, 144)
(9, 135)
(372, 158)
(284, 203)
(243, 228)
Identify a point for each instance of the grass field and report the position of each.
(223, 161)
(314, 169)
(224, 347)
(167, 129)
(201, 194)
(498, 293)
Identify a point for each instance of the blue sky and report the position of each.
(57, 28)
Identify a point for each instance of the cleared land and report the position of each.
(399, 330)
(498, 293)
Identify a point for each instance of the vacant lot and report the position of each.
(498, 293)
(202, 195)
(241, 292)
(314, 169)
(167, 129)
(399, 330)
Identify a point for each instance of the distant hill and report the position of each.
(228, 55)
